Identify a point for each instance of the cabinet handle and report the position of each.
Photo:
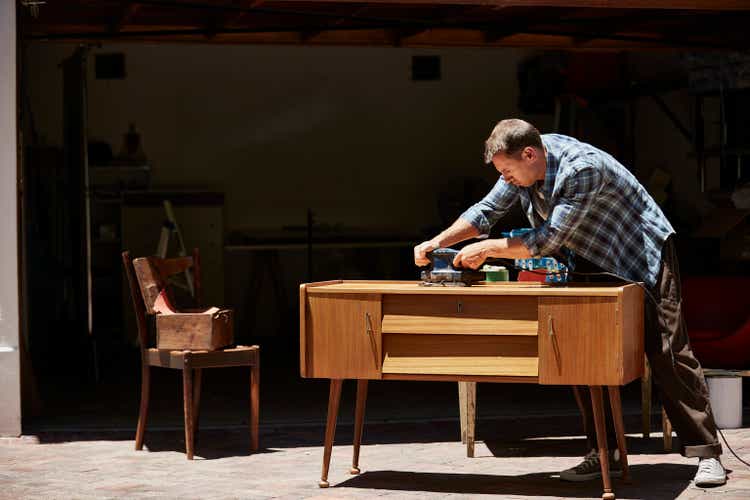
(368, 324)
(373, 342)
(460, 306)
(550, 326)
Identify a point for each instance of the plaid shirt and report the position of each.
(594, 206)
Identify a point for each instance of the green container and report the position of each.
(496, 273)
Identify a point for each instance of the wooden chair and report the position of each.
(191, 362)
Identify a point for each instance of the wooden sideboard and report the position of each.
(498, 332)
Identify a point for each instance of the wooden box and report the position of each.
(201, 330)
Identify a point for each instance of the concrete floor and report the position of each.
(80, 444)
(519, 459)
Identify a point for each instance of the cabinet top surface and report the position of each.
(495, 288)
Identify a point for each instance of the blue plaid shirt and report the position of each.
(589, 203)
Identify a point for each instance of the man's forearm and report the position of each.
(459, 231)
(507, 248)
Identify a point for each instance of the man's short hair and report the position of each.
(510, 136)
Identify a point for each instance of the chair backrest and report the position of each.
(135, 296)
(149, 285)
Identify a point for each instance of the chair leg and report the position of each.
(462, 409)
(254, 403)
(616, 404)
(646, 399)
(197, 381)
(143, 411)
(666, 427)
(187, 400)
(471, 417)
(579, 401)
(359, 421)
(334, 397)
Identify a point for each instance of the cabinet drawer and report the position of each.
(480, 355)
(460, 315)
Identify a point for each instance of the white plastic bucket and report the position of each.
(725, 393)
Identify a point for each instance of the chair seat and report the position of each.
(235, 356)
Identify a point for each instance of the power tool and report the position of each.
(534, 267)
(442, 272)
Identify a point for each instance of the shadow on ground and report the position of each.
(648, 478)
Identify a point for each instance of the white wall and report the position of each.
(343, 131)
(10, 387)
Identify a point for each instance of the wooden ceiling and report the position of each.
(560, 24)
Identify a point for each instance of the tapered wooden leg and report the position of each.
(197, 380)
(359, 421)
(187, 397)
(616, 404)
(334, 397)
(579, 401)
(601, 439)
(254, 403)
(471, 417)
(462, 409)
(666, 428)
(143, 411)
(646, 399)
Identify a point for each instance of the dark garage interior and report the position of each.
(302, 141)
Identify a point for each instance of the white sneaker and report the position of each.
(710, 473)
(591, 468)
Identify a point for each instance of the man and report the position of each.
(579, 197)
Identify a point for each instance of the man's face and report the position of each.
(520, 168)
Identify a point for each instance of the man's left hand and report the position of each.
(472, 256)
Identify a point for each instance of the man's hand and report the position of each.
(472, 256)
(420, 252)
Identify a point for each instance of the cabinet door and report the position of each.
(343, 336)
(580, 341)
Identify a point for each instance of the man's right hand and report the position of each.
(421, 250)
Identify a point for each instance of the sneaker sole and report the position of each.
(579, 478)
(711, 482)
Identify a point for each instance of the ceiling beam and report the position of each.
(395, 35)
(715, 5)
(235, 19)
(205, 5)
(496, 34)
(384, 37)
(126, 16)
(398, 35)
(356, 13)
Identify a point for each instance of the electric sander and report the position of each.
(442, 272)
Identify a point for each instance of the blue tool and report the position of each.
(557, 272)
(442, 272)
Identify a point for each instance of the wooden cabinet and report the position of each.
(512, 332)
(343, 336)
(493, 332)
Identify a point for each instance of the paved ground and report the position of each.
(398, 460)
(80, 445)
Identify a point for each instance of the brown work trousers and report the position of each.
(674, 368)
